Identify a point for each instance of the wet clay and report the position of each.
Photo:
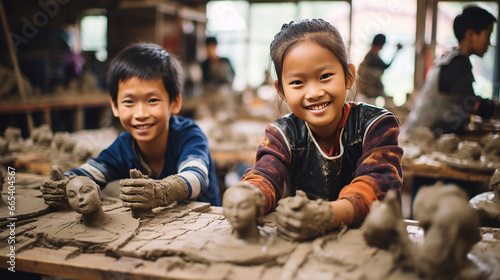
(488, 203)
(93, 229)
(247, 241)
(69, 229)
(24, 204)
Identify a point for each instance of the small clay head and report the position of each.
(83, 195)
(243, 206)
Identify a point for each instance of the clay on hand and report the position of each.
(299, 218)
(84, 197)
(244, 207)
(140, 192)
(53, 188)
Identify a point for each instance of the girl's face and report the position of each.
(314, 86)
(83, 195)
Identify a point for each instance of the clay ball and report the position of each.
(447, 143)
(469, 150)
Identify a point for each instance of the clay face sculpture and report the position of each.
(84, 197)
(244, 207)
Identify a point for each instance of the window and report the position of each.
(94, 35)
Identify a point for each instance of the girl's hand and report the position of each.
(299, 218)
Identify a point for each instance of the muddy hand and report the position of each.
(299, 218)
(53, 188)
(135, 195)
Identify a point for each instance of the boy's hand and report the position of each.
(53, 188)
(142, 193)
(299, 218)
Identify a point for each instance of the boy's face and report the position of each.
(144, 109)
(480, 41)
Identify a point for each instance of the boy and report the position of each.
(447, 98)
(145, 84)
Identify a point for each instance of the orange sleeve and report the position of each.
(361, 195)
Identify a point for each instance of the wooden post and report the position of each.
(17, 71)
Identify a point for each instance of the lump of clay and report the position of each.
(447, 143)
(469, 150)
(42, 135)
(491, 149)
(13, 136)
(423, 138)
(488, 203)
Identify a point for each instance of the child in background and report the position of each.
(334, 157)
(145, 84)
(447, 99)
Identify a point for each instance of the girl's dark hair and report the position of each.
(472, 17)
(317, 31)
(145, 61)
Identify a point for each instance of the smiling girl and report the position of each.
(333, 157)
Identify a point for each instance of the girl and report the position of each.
(334, 156)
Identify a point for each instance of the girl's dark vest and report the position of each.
(311, 170)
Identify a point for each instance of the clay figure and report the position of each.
(84, 197)
(385, 228)
(488, 203)
(244, 208)
(451, 229)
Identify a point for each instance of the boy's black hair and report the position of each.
(378, 40)
(211, 40)
(472, 17)
(145, 61)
